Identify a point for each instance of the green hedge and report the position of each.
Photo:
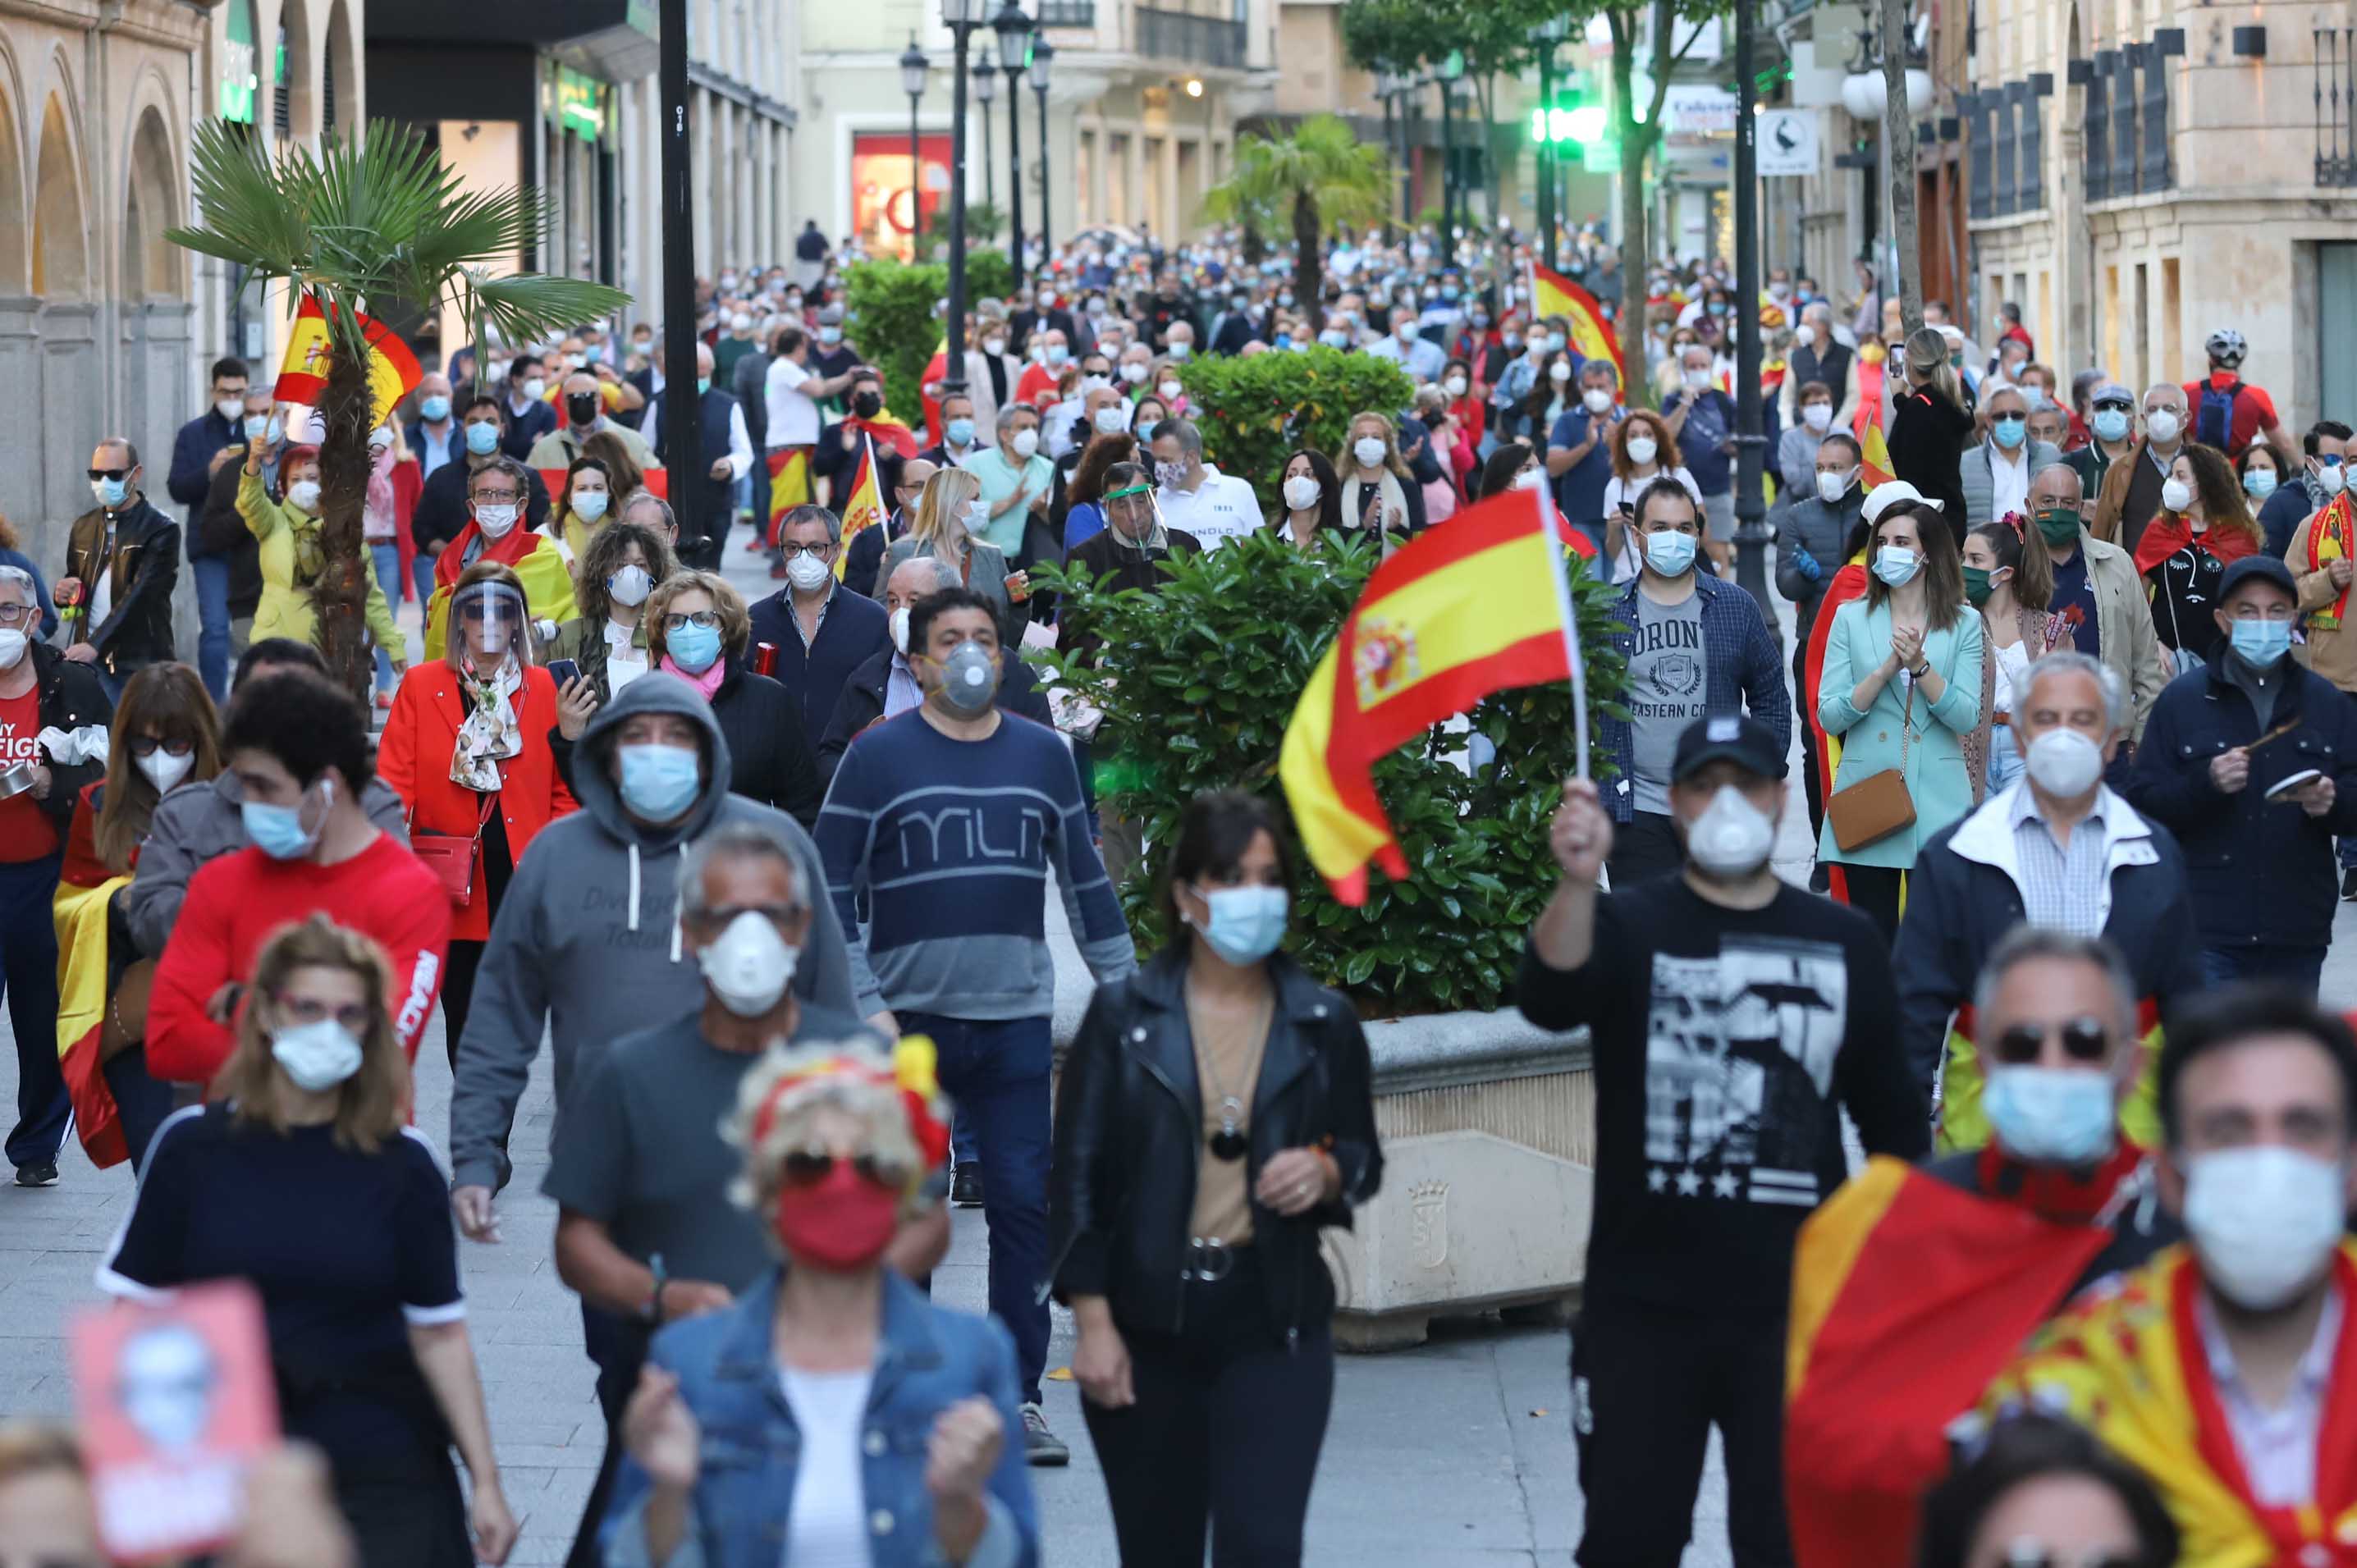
(1253, 411)
(893, 321)
(1197, 682)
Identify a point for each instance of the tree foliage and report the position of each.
(373, 221)
(1197, 682)
(1307, 183)
(890, 317)
(1252, 411)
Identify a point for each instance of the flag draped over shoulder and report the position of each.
(789, 483)
(1465, 610)
(2332, 537)
(393, 371)
(1909, 1296)
(1551, 294)
(866, 507)
(81, 912)
(1849, 583)
(1867, 424)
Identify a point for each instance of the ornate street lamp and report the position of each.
(1014, 30)
(913, 69)
(985, 92)
(962, 17)
(1042, 53)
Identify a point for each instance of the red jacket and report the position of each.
(413, 758)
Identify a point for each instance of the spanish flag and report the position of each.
(81, 912)
(1849, 583)
(789, 483)
(393, 370)
(866, 507)
(1867, 424)
(2331, 537)
(1463, 611)
(1909, 1295)
(1551, 294)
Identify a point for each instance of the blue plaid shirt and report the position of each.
(1743, 672)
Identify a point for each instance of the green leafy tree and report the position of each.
(1318, 176)
(890, 317)
(1197, 682)
(371, 222)
(1489, 38)
(1253, 410)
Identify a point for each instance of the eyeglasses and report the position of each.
(721, 916)
(304, 1010)
(2031, 1553)
(116, 474)
(2084, 1039)
(20, 615)
(708, 620)
(148, 746)
(808, 1168)
(497, 498)
(816, 552)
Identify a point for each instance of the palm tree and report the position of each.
(1318, 176)
(375, 222)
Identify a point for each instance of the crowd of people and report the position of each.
(769, 878)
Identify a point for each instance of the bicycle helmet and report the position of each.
(2226, 348)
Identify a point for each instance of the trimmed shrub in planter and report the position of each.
(1197, 684)
(1252, 411)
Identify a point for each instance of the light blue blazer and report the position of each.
(1937, 780)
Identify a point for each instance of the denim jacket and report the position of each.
(926, 1358)
(1743, 671)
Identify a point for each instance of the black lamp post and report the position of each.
(913, 67)
(1451, 71)
(985, 92)
(1014, 30)
(680, 414)
(963, 17)
(1042, 53)
(1752, 533)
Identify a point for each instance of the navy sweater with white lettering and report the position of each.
(951, 841)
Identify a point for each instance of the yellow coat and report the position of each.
(291, 563)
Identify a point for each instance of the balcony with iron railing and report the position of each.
(1067, 13)
(2336, 100)
(1178, 35)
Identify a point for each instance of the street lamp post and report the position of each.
(963, 17)
(1543, 152)
(913, 67)
(1014, 30)
(1751, 531)
(1385, 90)
(985, 92)
(681, 413)
(1451, 71)
(1042, 54)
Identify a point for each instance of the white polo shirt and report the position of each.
(1220, 508)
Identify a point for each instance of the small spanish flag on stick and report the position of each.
(789, 483)
(1475, 607)
(866, 507)
(393, 370)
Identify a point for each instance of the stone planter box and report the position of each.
(1488, 1125)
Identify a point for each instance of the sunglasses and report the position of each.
(148, 746)
(117, 474)
(2084, 1039)
(808, 1168)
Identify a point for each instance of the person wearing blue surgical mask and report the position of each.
(2249, 761)
(1189, 1251)
(1996, 474)
(434, 435)
(1901, 687)
(700, 629)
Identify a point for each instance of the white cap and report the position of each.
(1883, 497)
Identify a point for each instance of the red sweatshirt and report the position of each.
(236, 902)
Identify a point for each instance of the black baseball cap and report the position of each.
(1742, 740)
(2260, 565)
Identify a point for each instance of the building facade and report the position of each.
(96, 308)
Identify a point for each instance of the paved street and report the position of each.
(1456, 1454)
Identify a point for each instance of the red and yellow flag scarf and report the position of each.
(2128, 1364)
(790, 484)
(864, 509)
(81, 910)
(1849, 583)
(1909, 1294)
(2332, 537)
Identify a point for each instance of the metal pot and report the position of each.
(14, 779)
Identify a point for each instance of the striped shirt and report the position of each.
(2061, 888)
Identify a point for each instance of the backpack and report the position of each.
(2214, 421)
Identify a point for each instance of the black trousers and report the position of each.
(464, 958)
(1805, 713)
(618, 1346)
(1224, 1434)
(1647, 1387)
(1644, 847)
(1874, 892)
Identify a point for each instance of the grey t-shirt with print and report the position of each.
(1668, 690)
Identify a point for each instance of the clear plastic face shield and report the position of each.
(1130, 510)
(488, 618)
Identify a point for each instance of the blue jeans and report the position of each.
(141, 1103)
(2005, 764)
(212, 573)
(2301, 967)
(28, 973)
(388, 578)
(996, 1073)
(421, 576)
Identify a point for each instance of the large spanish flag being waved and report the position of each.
(392, 370)
(1472, 607)
(1551, 294)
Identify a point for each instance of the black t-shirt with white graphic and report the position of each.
(1726, 1043)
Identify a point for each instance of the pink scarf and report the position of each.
(708, 683)
(376, 521)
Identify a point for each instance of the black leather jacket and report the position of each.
(1129, 1120)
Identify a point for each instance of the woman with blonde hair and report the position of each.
(165, 736)
(1380, 495)
(303, 1176)
(467, 748)
(700, 629)
(951, 516)
(1931, 424)
(839, 1145)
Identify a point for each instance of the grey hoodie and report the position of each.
(586, 945)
